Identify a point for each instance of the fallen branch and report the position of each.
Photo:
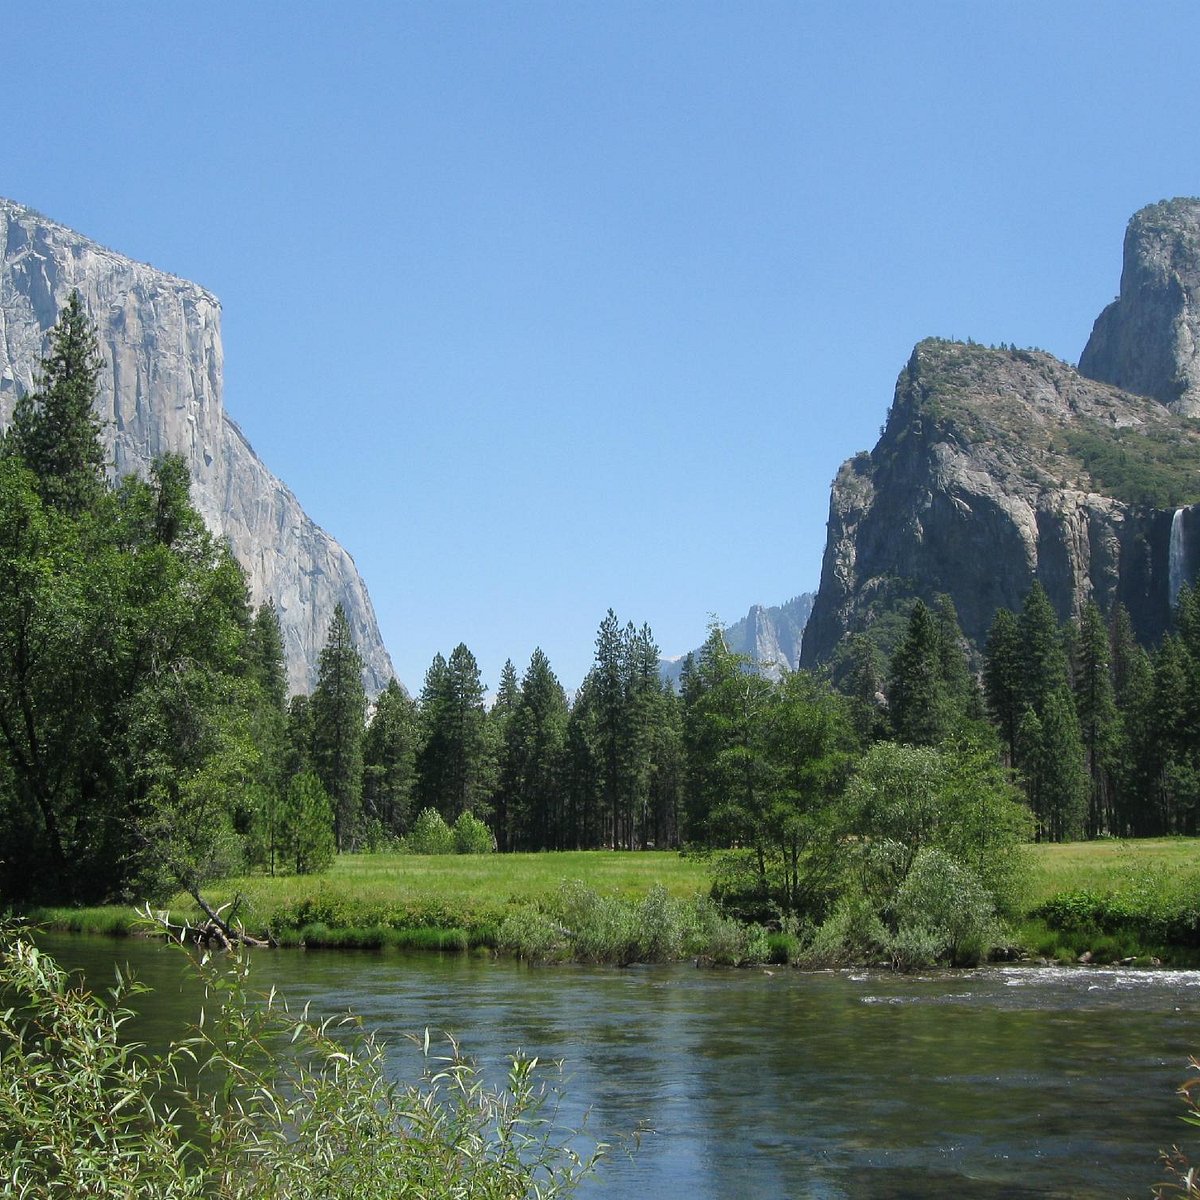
(214, 933)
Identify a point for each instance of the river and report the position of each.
(999, 1082)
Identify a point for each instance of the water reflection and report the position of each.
(1006, 1082)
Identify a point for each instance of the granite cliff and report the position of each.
(1148, 340)
(769, 637)
(997, 467)
(160, 337)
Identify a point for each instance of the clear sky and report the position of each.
(542, 308)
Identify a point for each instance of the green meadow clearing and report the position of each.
(458, 901)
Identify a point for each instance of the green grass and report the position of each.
(458, 902)
(460, 893)
(1115, 900)
(1110, 865)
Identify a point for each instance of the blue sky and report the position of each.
(542, 308)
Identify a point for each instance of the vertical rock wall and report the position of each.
(1148, 340)
(160, 337)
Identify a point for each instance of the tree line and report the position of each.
(149, 742)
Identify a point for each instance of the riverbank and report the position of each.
(1110, 900)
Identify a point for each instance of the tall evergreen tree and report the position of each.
(1173, 784)
(581, 776)
(55, 429)
(454, 767)
(1134, 769)
(607, 706)
(1062, 783)
(917, 697)
(1097, 711)
(1043, 662)
(863, 686)
(389, 760)
(532, 772)
(268, 675)
(1003, 679)
(499, 717)
(338, 710)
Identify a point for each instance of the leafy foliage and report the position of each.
(281, 1105)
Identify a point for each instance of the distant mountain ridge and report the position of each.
(769, 637)
(1000, 466)
(161, 392)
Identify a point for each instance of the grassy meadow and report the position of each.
(1117, 899)
(1110, 864)
(470, 894)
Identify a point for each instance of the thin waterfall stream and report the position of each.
(1176, 556)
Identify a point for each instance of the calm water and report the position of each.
(1002, 1082)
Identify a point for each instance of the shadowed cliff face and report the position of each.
(1148, 340)
(161, 393)
(997, 467)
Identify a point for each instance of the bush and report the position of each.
(532, 935)
(472, 836)
(301, 1111)
(852, 933)
(724, 941)
(660, 927)
(942, 907)
(601, 929)
(430, 834)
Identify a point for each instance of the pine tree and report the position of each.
(266, 661)
(305, 817)
(1174, 784)
(1043, 663)
(917, 701)
(1097, 710)
(533, 767)
(1003, 679)
(607, 706)
(454, 767)
(1063, 783)
(582, 824)
(962, 699)
(338, 709)
(1133, 689)
(864, 688)
(268, 674)
(389, 760)
(55, 429)
(499, 718)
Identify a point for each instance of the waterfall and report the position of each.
(1175, 557)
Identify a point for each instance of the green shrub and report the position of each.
(660, 927)
(430, 834)
(720, 939)
(472, 836)
(852, 933)
(601, 929)
(782, 948)
(299, 1110)
(942, 907)
(532, 935)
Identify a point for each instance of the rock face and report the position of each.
(160, 338)
(998, 467)
(770, 637)
(1148, 340)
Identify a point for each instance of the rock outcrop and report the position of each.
(769, 637)
(160, 337)
(1148, 340)
(998, 466)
